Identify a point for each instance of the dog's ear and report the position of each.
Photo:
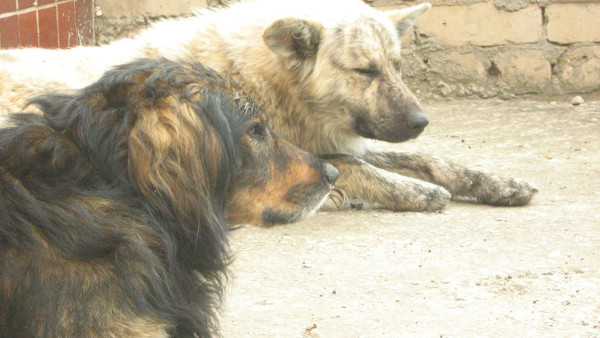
(160, 149)
(405, 18)
(176, 158)
(296, 40)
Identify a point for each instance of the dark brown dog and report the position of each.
(113, 204)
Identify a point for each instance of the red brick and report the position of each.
(48, 27)
(7, 6)
(67, 32)
(85, 18)
(28, 33)
(45, 2)
(9, 32)
(24, 4)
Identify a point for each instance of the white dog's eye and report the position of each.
(367, 71)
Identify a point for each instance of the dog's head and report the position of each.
(191, 142)
(350, 69)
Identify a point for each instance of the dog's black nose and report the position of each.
(420, 121)
(331, 173)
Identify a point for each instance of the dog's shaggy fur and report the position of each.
(327, 72)
(113, 203)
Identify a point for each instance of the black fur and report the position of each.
(82, 245)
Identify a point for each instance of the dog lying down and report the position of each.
(328, 74)
(114, 202)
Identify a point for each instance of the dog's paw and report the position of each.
(503, 191)
(436, 198)
(421, 196)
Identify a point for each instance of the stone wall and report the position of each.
(117, 19)
(503, 48)
(460, 48)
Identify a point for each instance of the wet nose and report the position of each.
(418, 122)
(331, 173)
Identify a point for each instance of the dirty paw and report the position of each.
(422, 196)
(504, 191)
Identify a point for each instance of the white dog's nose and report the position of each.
(420, 121)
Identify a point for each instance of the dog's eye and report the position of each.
(367, 71)
(257, 130)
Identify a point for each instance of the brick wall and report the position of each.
(503, 48)
(46, 23)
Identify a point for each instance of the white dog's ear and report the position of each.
(405, 18)
(294, 39)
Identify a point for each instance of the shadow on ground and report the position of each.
(470, 270)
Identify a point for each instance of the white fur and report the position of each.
(228, 40)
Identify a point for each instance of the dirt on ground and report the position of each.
(470, 270)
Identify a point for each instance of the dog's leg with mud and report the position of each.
(361, 180)
(458, 180)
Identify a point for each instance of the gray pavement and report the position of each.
(471, 270)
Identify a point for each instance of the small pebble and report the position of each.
(311, 327)
(577, 100)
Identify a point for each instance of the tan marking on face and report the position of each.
(248, 204)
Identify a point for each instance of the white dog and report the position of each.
(326, 72)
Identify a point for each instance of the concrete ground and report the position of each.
(471, 270)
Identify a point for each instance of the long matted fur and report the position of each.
(114, 202)
(327, 73)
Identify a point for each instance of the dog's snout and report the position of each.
(420, 121)
(331, 173)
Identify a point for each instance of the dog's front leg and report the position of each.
(460, 181)
(361, 180)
